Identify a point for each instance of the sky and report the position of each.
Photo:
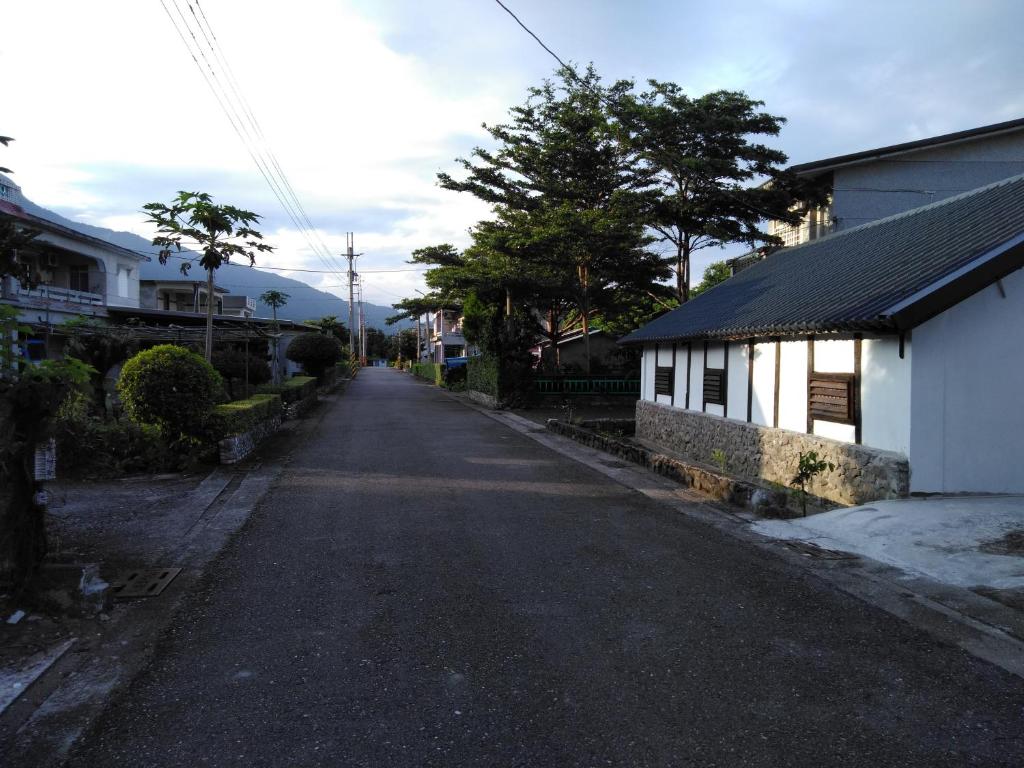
(363, 102)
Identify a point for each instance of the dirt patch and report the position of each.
(1010, 544)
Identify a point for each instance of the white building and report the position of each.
(892, 349)
(73, 274)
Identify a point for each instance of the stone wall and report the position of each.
(862, 474)
(484, 399)
(235, 448)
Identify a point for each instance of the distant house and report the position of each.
(180, 296)
(445, 338)
(605, 353)
(890, 348)
(190, 296)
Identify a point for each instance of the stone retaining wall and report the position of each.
(235, 448)
(298, 407)
(484, 399)
(862, 474)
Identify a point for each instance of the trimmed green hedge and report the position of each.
(482, 375)
(292, 390)
(429, 371)
(240, 416)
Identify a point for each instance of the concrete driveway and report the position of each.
(966, 541)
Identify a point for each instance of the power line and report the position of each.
(604, 99)
(236, 88)
(265, 162)
(531, 34)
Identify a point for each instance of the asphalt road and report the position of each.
(424, 586)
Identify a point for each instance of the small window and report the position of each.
(714, 386)
(664, 376)
(830, 397)
(78, 278)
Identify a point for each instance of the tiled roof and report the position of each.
(887, 275)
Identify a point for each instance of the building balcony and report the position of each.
(48, 295)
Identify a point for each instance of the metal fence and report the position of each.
(586, 385)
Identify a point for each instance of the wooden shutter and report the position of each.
(714, 386)
(830, 397)
(663, 380)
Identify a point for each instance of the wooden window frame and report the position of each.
(720, 373)
(661, 373)
(850, 379)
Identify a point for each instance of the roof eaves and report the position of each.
(957, 285)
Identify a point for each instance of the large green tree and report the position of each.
(217, 231)
(566, 193)
(715, 182)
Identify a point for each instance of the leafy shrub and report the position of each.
(455, 378)
(231, 363)
(171, 388)
(314, 352)
(94, 448)
(240, 416)
(429, 371)
(482, 374)
(292, 390)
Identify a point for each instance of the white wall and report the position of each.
(762, 407)
(647, 374)
(696, 375)
(664, 360)
(793, 385)
(682, 376)
(834, 356)
(738, 378)
(884, 385)
(715, 359)
(885, 394)
(967, 421)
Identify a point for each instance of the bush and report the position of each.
(92, 448)
(233, 364)
(482, 375)
(292, 390)
(240, 416)
(429, 371)
(314, 352)
(455, 378)
(172, 389)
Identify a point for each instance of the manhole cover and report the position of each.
(813, 550)
(143, 582)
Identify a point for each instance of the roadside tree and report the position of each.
(315, 352)
(217, 231)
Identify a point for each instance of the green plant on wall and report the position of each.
(720, 459)
(808, 467)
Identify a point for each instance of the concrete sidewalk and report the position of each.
(964, 541)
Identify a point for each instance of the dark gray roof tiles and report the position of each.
(863, 279)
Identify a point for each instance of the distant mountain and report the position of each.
(304, 302)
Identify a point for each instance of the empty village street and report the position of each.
(425, 586)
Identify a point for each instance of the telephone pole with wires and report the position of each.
(350, 247)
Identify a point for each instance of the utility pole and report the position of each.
(362, 328)
(350, 243)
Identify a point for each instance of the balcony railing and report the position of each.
(12, 289)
